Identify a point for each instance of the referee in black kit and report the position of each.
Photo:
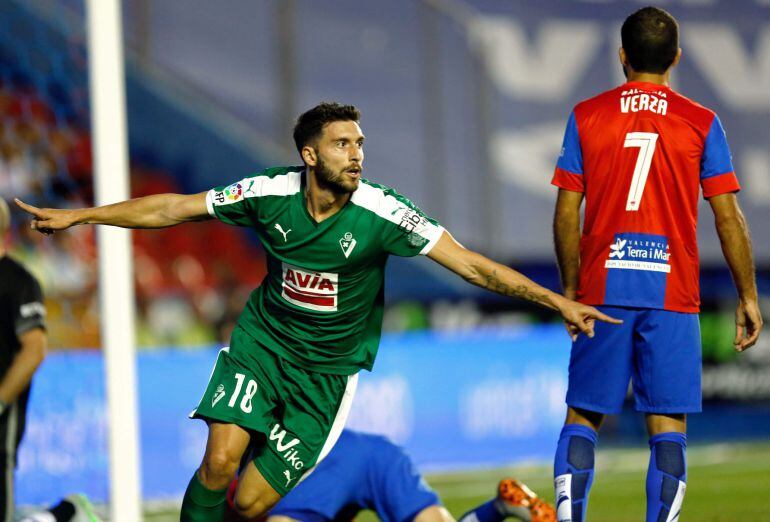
(22, 349)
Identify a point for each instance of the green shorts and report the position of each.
(301, 413)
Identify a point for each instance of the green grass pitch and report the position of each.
(726, 483)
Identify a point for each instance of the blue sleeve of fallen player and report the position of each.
(400, 491)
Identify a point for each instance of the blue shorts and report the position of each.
(361, 472)
(658, 350)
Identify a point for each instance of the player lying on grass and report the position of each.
(366, 471)
(290, 371)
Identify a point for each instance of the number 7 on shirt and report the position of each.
(646, 142)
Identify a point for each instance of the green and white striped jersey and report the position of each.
(321, 303)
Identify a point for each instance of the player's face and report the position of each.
(340, 156)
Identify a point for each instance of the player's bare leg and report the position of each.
(434, 514)
(204, 499)
(224, 448)
(254, 496)
(667, 472)
(587, 418)
(657, 424)
(573, 467)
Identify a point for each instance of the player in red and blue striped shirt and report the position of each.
(639, 155)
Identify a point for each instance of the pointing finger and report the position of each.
(604, 317)
(28, 208)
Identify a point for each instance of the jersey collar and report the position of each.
(647, 86)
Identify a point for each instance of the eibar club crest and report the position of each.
(347, 243)
(218, 395)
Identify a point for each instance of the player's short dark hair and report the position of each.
(650, 38)
(310, 123)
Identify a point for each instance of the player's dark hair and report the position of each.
(650, 38)
(310, 124)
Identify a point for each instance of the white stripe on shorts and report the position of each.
(339, 422)
(211, 374)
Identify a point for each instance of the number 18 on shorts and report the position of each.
(300, 413)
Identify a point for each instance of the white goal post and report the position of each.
(116, 303)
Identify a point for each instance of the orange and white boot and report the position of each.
(521, 502)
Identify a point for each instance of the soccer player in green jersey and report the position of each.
(289, 375)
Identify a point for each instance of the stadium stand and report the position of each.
(189, 286)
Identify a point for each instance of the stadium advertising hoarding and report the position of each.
(454, 400)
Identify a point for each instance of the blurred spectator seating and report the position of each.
(191, 280)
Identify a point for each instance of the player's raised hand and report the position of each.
(48, 220)
(581, 318)
(748, 324)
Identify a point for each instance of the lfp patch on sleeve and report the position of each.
(228, 195)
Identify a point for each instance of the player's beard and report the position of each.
(337, 182)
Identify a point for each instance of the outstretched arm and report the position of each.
(156, 211)
(736, 246)
(483, 272)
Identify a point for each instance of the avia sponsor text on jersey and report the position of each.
(310, 289)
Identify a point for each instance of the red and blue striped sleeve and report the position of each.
(569, 168)
(717, 175)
